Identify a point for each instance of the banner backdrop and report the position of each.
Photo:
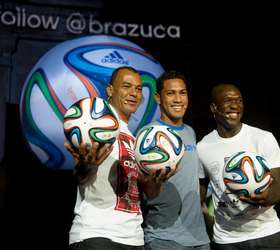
(2, 125)
(57, 52)
(73, 70)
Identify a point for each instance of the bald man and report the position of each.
(239, 222)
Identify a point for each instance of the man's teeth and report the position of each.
(232, 115)
(177, 107)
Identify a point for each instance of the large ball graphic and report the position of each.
(73, 70)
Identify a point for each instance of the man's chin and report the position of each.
(176, 116)
(233, 123)
(131, 110)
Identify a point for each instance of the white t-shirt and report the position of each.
(237, 221)
(110, 206)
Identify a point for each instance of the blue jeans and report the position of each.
(157, 244)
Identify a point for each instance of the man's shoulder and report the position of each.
(125, 130)
(207, 142)
(156, 122)
(208, 138)
(184, 127)
(147, 126)
(188, 126)
(255, 130)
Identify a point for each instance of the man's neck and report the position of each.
(228, 132)
(121, 115)
(123, 118)
(176, 122)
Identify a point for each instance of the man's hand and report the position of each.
(258, 199)
(270, 196)
(88, 158)
(151, 183)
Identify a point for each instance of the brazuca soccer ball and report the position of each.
(89, 120)
(158, 147)
(246, 173)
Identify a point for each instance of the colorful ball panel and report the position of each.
(91, 120)
(246, 173)
(158, 147)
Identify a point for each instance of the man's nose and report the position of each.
(177, 97)
(133, 91)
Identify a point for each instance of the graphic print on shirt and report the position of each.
(127, 190)
(230, 204)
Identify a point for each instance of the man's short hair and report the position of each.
(167, 75)
(116, 71)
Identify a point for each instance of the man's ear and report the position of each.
(109, 90)
(213, 107)
(157, 98)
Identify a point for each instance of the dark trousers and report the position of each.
(264, 243)
(102, 244)
(158, 244)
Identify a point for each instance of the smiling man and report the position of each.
(107, 213)
(126, 92)
(174, 220)
(238, 225)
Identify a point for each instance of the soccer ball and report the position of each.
(73, 70)
(91, 120)
(158, 147)
(246, 173)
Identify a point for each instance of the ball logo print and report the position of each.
(71, 71)
(158, 147)
(246, 173)
(91, 120)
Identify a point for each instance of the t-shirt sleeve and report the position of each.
(271, 150)
(201, 170)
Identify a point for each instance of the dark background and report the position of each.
(219, 43)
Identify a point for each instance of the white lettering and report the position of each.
(23, 18)
(173, 31)
(33, 24)
(149, 34)
(107, 25)
(133, 30)
(156, 31)
(76, 23)
(18, 16)
(130, 164)
(119, 29)
(8, 18)
(49, 22)
(95, 26)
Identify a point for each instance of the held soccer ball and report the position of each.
(246, 173)
(158, 147)
(91, 120)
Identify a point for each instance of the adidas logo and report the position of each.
(114, 57)
(129, 147)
